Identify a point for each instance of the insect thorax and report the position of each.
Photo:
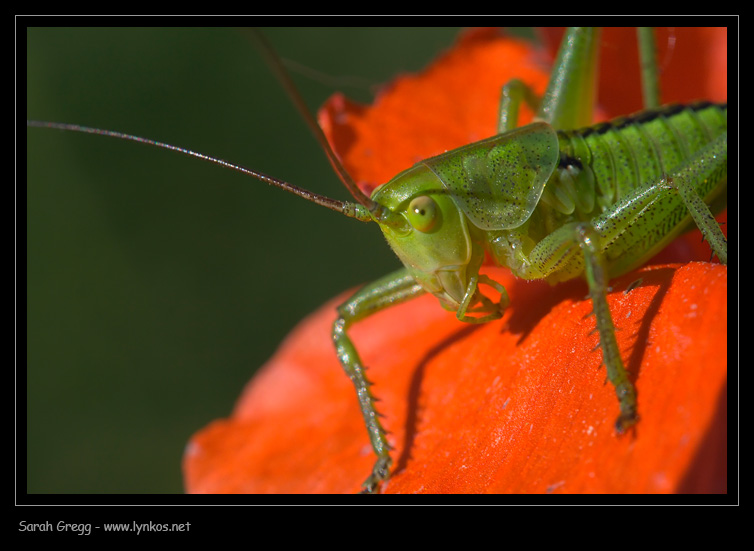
(604, 166)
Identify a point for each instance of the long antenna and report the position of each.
(282, 75)
(351, 210)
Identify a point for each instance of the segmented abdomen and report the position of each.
(631, 151)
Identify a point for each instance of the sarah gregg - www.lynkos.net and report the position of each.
(85, 528)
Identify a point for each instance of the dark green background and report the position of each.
(157, 284)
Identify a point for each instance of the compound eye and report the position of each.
(423, 213)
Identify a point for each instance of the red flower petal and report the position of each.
(418, 116)
(517, 405)
(693, 63)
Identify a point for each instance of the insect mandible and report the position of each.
(556, 228)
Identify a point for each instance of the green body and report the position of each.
(549, 202)
(509, 195)
(554, 200)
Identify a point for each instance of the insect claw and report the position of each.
(633, 285)
(626, 421)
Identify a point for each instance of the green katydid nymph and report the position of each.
(557, 199)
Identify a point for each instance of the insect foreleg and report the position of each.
(569, 99)
(393, 289)
(491, 310)
(514, 92)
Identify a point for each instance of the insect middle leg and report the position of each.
(388, 291)
(579, 248)
(625, 236)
